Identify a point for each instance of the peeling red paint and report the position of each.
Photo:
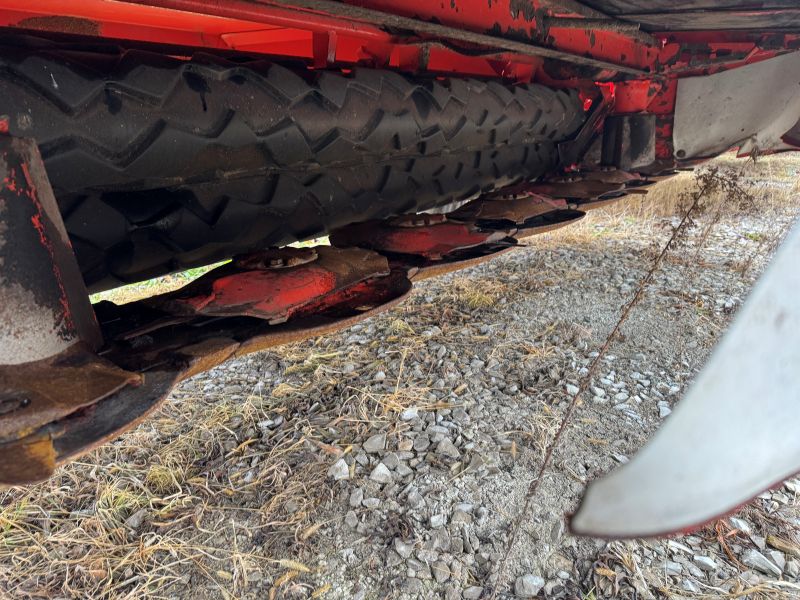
(37, 220)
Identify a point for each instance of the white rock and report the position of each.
(375, 443)
(753, 558)
(351, 520)
(673, 545)
(372, 503)
(793, 486)
(741, 525)
(780, 497)
(409, 414)
(473, 592)
(705, 562)
(415, 499)
(381, 474)
(671, 567)
(403, 549)
(690, 586)
(438, 520)
(339, 470)
(356, 496)
(793, 568)
(572, 390)
(391, 461)
(778, 558)
(440, 570)
(528, 586)
(447, 448)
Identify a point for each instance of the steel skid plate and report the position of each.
(741, 415)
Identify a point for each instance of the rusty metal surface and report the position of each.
(516, 209)
(371, 16)
(549, 222)
(44, 306)
(27, 461)
(273, 285)
(34, 394)
(102, 422)
(425, 269)
(576, 188)
(431, 238)
(610, 175)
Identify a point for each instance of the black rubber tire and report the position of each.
(161, 164)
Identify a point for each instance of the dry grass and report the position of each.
(472, 294)
(211, 495)
(208, 494)
(771, 182)
(203, 492)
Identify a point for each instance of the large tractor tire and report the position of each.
(160, 164)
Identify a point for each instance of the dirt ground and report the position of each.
(391, 459)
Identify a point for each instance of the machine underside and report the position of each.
(143, 137)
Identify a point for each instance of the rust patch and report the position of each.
(429, 236)
(549, 222)
(516, 208)
(273, 284)
(524, 8)
(59, 24)
(470, 258)
(27, 461)
(35, 394)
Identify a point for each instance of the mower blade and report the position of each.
(734, 435)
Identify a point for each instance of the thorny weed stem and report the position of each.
(707, 181)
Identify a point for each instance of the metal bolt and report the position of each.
(11, 402)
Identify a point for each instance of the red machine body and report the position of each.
(607, 50)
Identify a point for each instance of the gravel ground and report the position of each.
(390, 460)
